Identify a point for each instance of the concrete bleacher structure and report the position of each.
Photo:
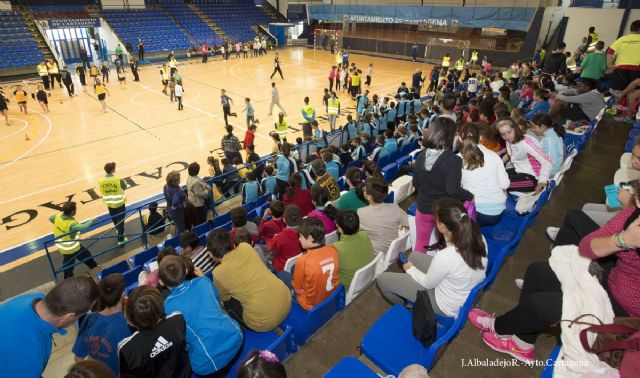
(17, 46)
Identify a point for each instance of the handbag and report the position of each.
(424, 319)
(617, 344)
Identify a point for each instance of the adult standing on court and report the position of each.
(276, 67)
(175, 198)
(43, 72)
(624, 56)
(84, 57)
(275, 99)
(133, 64)
(309, 115)
(82, 75)
(67, 80)
(112, 191)
(417, 80)
(172, 63)
(66, 230)
(164, 77)
(414, 52)
(140, 49)
(226, 102)
(333, 110)
(231, 145)
(54, 73)
(119, 52)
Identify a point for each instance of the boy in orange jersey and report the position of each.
(316, 273)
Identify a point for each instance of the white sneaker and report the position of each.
(519, 283)
(552, 232)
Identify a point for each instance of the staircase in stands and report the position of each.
(209, 22)
(30, 23)
(270, 11)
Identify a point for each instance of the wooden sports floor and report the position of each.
(146, 135)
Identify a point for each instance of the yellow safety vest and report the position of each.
(355, 80)
(446, 61)
(338, 58)
(172, 63)
(459, 64)
(53, 68)
(42, 70)
(67, 244)
(309, 110)
(571, 64)
(594, 39)
(474, 56)
(164, 73)
(112, 192)
(333, 106)
(281, 128)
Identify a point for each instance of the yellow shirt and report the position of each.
(355, 80)
(20, 95)
(100, 89)
(93, 71)
(627, 50)
(265, 299)
(242, 171)
(446, 61)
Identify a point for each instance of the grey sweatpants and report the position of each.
(598, 212)
(398, 287)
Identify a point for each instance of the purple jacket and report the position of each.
(175, 198)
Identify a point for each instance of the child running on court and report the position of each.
(122, 78)
(21, 98)
(41, 96)
(250, 112)
(101, 91)
(105, 72)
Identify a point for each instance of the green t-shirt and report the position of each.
(350, 201)
(118, 50)
(594, 66)
(354, 252)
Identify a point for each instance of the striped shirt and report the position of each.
(202, 259)
(528, 157)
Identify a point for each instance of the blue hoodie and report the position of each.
(541, 106)
(213, 338)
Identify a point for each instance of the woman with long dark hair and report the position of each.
(448, 276)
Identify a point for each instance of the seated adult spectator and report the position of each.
(295, 195)
(381, 221)
(550, 137)
(269, 227)
(325, 180)
(213, 338)
(579, 223)
(243, 236)
(614, 247)
(354, 198)
(483, 175)
(100, 332)
(457, 267)
(436, 174)
(323, 211)
(250, 293)
(531, 169)
(29, 321)
(316, 275)
(199, 255)
(285, 245)
(239, 220)
(354, 248)
(159, 348)
(582, 104)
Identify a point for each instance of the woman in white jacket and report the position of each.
(484, 175)
(449, 276)
(531, 166)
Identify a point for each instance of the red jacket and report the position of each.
(283, 246)
(249, 136)
(269, 228)
(302, 199)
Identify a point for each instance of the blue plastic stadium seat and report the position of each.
(173, 242)
(131, 278)
(120, 267)
(350, 367)
(203, 228)
(390, 343)
(281, 345)
(306, 323)
(547, 372)
(390, 171)
(143, 256)
(221, 219)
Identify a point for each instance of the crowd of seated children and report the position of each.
(272, 221)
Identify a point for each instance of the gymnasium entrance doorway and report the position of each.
(67, 42)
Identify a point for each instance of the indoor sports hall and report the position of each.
(270, 188)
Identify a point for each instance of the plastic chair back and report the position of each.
(363, 278)
(306, 323)
(350, 367)
(331, 238)
(144, 256)
(202, 228)
(291, 262)
(390, 171)
(396, 246)
(120, 267)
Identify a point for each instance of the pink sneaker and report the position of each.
(481, 319)
(506, 344)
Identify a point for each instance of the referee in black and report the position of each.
(276, 64)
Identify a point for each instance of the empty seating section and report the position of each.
(234, 17)
(17, 46)
(194, 25)
(156, 29)
(44, 12)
